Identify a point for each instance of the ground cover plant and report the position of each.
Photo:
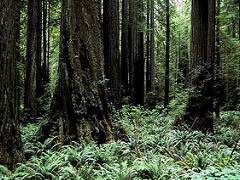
(167, 151)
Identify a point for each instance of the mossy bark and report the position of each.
(11, 151)
(199, 110)
(79, 106)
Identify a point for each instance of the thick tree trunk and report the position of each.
(11, 151)
(199, 110)
(125, 50)
(79, 106)
(199, 33)
(166, 99)
(111, 48)
(33, 83)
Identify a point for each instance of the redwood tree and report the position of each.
(111, 48)
(139, 61)
(125, 53)
(200, 104)
(166, 99)
(33, 82)
(79, 107)
(11, 151)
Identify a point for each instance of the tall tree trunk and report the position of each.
(139, 60)
(239, 20)
(211, 44)
(152, 48)
(33, 83)
(218, 58)
(18, 54)
(239, 38)
(111, 48)
(166, 99)
(44, 69)
(148, 50)
(11, 151)
(199, 33)
(79, 106)
(233, 27)
(49, 30)
(131, 40)
(125, 53)
(198, 112)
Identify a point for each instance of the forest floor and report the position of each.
(167, 151)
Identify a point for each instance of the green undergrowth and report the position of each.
(167, 151)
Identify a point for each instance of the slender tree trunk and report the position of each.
(139, 61)
(11, 151)
(131, 41)
(152, 48)
(79, 107)
(44, 64)
(18, 54)
(239, 37)
(218, 58)
(239, 20)
(125, 53)
(49, 31)
(33, 83)
(148, 50)
(166, 100)
(111, 48)
(39, 84)
(211, 44)
(233, 28)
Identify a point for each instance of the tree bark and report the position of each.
(11, 151)
(139, 60)
(33, 89)
(199, 32)
(166, 99)
(49, 31)
(152, 48)
(148, 49)
(44, 66)
(111, 48)
(199, 110)
(218, 58)
(125, 51)
(131, 41)
(79, 107)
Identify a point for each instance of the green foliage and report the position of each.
(178, 104)
(167, 151)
